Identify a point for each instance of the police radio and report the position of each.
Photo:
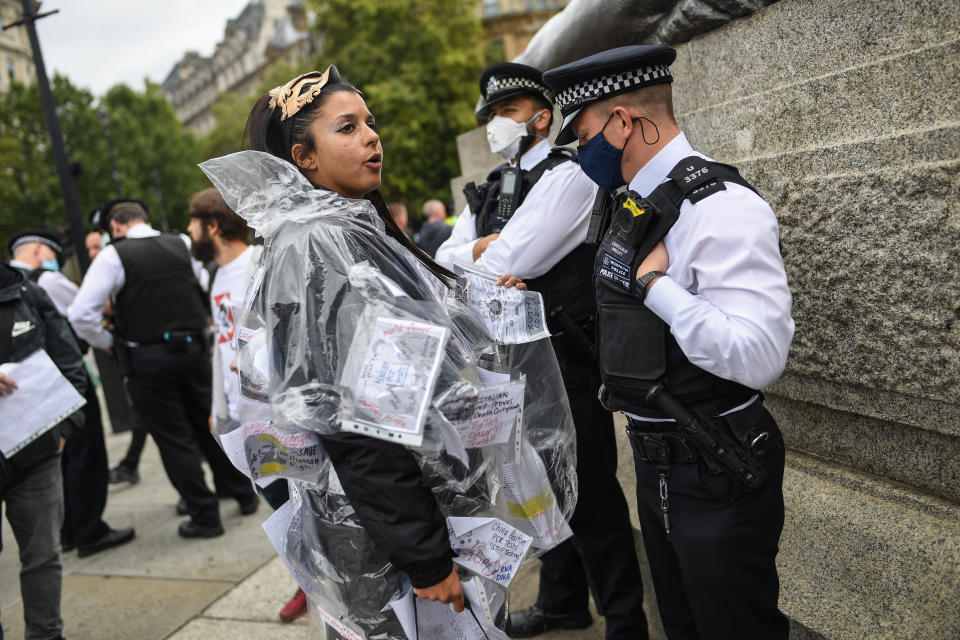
(509, 196)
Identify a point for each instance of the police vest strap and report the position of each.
(35, 275)
(695, 178)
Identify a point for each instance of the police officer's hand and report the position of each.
(63, 441)
(448, 591)
(7, 385)
(658, 260)
(511, 281)
(481, 245)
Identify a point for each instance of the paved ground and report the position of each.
(162, 586)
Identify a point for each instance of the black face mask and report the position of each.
(203, 249)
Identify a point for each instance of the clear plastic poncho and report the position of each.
(355, 363)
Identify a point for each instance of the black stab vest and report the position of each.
(568, 285)
(635, 347)
(483, 199)
(160, 293)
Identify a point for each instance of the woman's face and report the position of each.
(346, 155)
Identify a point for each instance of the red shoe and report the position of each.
(294, 609)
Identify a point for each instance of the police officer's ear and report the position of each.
(542, 121)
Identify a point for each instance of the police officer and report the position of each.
(694, 319)
(36, 252)
(540, 237)
(161, 316)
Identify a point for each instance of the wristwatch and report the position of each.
(644, 280)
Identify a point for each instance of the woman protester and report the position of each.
(367, 383)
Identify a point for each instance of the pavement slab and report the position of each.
(120, 608)
(209, 629)
(260, 597)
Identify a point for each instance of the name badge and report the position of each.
(615, 262)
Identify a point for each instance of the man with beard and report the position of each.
(161, 317)
(219, 235)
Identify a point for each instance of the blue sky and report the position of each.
(99, 43)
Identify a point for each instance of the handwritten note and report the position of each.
(272, 454)
(488, 546)
(513, 316)
(490, 417)
(394, 378)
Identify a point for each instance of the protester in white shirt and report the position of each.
(220, 235)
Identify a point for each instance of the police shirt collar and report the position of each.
(19, 264)
(141, 230)
(654, 172)
(534, 155)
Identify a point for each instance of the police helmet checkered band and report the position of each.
(590, 91)
(27, 239)
(495, 85)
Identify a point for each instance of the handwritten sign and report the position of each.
(394, 378)
(272, 454)
(490, 417)
(488, 546)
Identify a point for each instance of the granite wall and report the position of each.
(845, 114)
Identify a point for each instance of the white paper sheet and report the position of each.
(276, 527)
(513, 316)
(490, 418)
(488, 547)
(44, 399)
(530, 498)
(232, 444)
(400, 364)
(442, 623)
(272, 454)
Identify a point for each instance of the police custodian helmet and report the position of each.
(605, 74)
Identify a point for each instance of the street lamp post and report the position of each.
(71, 201)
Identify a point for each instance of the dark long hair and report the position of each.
(266, 132)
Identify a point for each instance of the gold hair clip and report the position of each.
(289, 98)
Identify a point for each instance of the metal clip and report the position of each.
(665, 499)
(759, 439)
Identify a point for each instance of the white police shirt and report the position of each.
(550, 223)
(60, 288)
(103, 282)
(725, 296)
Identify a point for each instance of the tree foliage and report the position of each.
(418, 63)
(155, 157)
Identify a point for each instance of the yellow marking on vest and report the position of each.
(270, 468)
(532, 507)
(632, 206)
(270, 438)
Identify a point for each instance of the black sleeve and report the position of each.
(62, 348)
(383, 483)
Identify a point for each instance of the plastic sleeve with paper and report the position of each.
(389, 406)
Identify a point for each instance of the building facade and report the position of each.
(509, 24)
(265, 32)
(16, 60)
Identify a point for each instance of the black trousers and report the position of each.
(85, 476)
(171, 392)
(716, 576)
(601, 557)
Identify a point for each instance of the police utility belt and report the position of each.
(664, 443)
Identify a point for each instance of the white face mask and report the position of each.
(504, 135)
